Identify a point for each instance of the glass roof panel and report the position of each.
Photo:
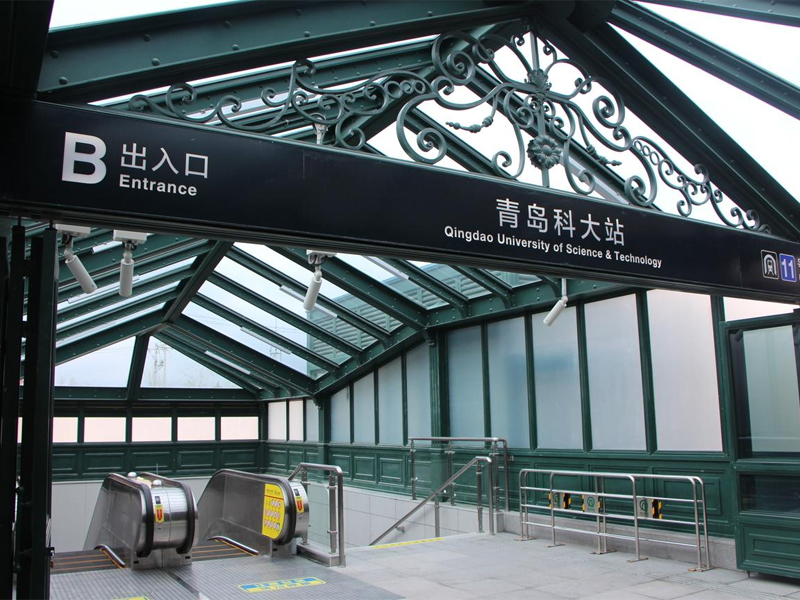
(106, 367)
(122, 303)
(764, 44)
(382, 272)
(109, 325)
(278, 352)
(166, 367)
(758, 127)
(452, 278)
(514, 279)
(80, 12)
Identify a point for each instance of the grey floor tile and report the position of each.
(663, 590)
(484, 587)
(767, 585)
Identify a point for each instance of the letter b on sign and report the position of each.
(93, 158)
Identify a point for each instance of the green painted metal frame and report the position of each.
(23, 29)
(710, 57)
(783, 13)
(669, 112)
(146, 52)
(489, 282)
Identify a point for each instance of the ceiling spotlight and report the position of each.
(316, 258)
(129, 241)
(559, 306)
(74, 264)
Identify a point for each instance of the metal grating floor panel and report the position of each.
(215, 580)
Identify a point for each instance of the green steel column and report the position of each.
(646, 357)
(11, 349)
(33, 523)
(533, 433)
(583, 362)
(440, 425)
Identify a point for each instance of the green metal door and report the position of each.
(766, 398)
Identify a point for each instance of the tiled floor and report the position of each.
(501, 567)
(466, 566)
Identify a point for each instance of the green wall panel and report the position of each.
(65, 465)
(341, 460)
(202, 460)
(104, 462)
(364, 468)
(153, 461)
(391, 471)
(768, 545)
(243, 459)
(278, 459)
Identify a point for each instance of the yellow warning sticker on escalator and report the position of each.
(274, 511)
(283, 584)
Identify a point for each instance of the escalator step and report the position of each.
(85, 560)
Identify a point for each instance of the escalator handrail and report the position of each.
(149, 511)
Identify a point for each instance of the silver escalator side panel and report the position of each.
(120, 518)
(147, 520)
(257, 510)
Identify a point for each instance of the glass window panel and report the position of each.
(390, 403)
(364, 410)
(65, 430)
(508, 382)
(615, 374)
(276, 421)
(312, 421)
(557, 378)
(239, 428)
(107, 326)
(465, 382)
(514, 279)
(166, 367)
(197, 429)
(105, 367)
(684, 384)
(739, 308)
(418, 391)
(151, 429)
(772, 390)
(340, 416)
(104, 429)
(296, 420)
(771, 493)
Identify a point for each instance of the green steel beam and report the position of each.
(97, 301)
(284, 315)
(66, 393)
(203, 267)
(240, 354)
(278, 278)
(705, 55)
(261, 331)
(333, 71)
(23, 35)
(74, 349)
(251, 384)
(770, 11)
(180, 252)
(493, 284)
(666, 109)
(418, 276)
(364, 288)
(114, 58)
(131, 307)
(136, 370)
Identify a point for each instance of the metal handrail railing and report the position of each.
(494, 453)
(479, 481)
(602, 516)
(335, 503)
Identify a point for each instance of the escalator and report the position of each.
(145, 521)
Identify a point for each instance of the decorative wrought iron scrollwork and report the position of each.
(564, 126)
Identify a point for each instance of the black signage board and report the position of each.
(130, 171)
